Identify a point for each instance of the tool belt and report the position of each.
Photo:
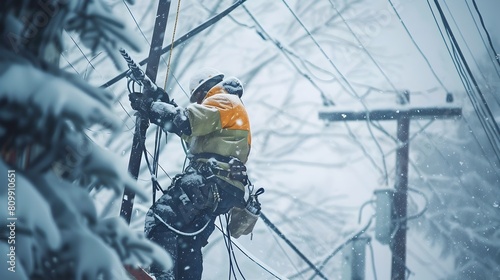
(208, 165)
(186, 206)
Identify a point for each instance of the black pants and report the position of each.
(173, 208)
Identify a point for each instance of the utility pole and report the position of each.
(142, 124)
(398, 270)
(402, 115)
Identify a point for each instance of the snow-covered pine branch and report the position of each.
(44, 114)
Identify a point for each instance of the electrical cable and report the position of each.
(136, 23)
(482, 37)
(81, 51)
(181, 39)
(349, 86)
(149, 44)
(284, 252)
(418, 48)
(156, 156)
(151, 168)
(252, 258)
(341, 246)
(446, 43)
(495, 53)
(419, 214)
(303, 62)
(364, 48)
(119, 102)
(489, 124)
(69, 63)
(362, 207)
(265, 35)
(471, 53)
(466, 84)
(228, 235)
(289, 243)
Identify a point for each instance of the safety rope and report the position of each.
(179, 231)
(172, 43)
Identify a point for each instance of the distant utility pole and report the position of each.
(403, 115)
(142, 123)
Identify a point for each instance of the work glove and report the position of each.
(170, 118)
(140, 102)
(162, 113)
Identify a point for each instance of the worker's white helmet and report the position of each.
(202, 82)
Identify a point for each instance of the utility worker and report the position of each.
(216, 129)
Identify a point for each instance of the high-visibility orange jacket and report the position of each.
(219, 125)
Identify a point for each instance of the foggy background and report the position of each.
(317, 175)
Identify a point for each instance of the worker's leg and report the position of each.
(169, 241)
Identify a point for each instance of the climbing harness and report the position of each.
(207, 164)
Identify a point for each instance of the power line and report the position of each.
(471, 53)
(465, 82)
(120, 103)
(283, 250)
(418, 48)
(325, 99)
(488, 120)
(289, 243)
(136, 23)
(181, 39)
(364, 48)
(81, 51)
(149, 44)
(442, 36)
(495, 53)
(468, 88)
(251, 257)
(349, 86)
(69, 63)
(482, 37)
